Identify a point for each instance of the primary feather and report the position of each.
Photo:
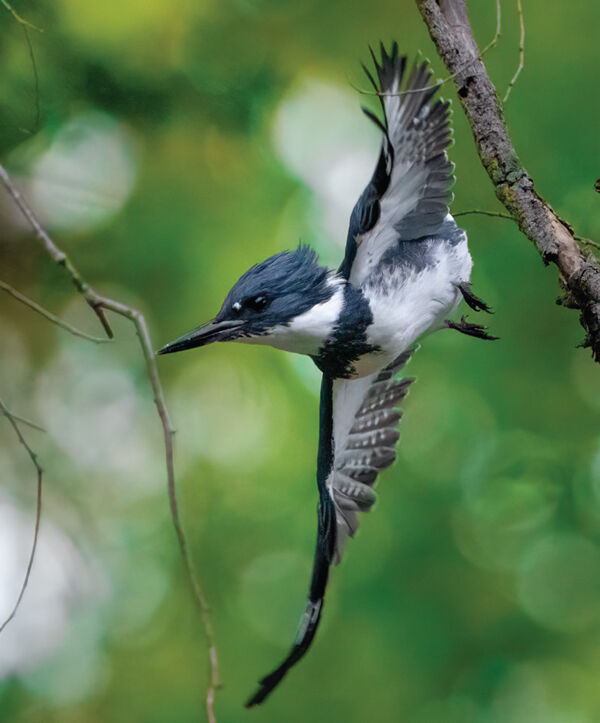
(408, 195)
(366, 416)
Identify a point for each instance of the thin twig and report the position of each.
(587, 241)
(497, 214)
(483, 213)
(18, 18)
(55, 253)
(36, 81)
(26, 422)
(50, 316)
(100, 304)
(169, 432)
(441, 81)
(38, 510)
(521, 53)
(26, 25)
(494, 40)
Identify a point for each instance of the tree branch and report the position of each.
(50, 316)
(60, 257)
(38, 510)
(450, 30)
(521, 65)
(18, 18)
(480, 212)
(21, 420)
(100, 304)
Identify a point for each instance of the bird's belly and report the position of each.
(406, 305)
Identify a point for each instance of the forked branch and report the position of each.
(579, 272)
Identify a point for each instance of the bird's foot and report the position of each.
(473, 301)
(469, 329)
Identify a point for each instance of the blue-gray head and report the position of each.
(287, 301)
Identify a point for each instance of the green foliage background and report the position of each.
(472, 592)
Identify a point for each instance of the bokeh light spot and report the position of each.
(559, 582)
(86, 175)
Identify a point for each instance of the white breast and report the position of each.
(406, 305)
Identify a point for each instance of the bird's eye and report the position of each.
(256, 303)
(237, 307)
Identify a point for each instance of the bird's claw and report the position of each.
(469, 329)
(471, 299)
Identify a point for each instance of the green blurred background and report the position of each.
(176, 143)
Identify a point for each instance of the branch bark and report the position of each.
(579, 272)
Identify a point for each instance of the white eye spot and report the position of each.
(237, 306)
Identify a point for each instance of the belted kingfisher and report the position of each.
(405, 270)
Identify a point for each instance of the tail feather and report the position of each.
(306, 633)
(326, 539)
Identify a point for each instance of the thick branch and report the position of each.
(450, 30)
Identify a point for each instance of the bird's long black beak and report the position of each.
(227, 330)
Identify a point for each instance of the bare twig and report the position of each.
(26, 25)
(36, 80)
(587, 241)
(61, 258)
(521, 53)
(18, 18)
(497, 214)
(483, 213)
(101, 304)
(50, 316)
(494, 40)
(450, 30)
(38, 510)
(25, 421)
(141, 328)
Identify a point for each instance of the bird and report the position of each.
(405, 270)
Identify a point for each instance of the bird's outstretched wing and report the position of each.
(408, 195)
(357, 438)
(365, 431)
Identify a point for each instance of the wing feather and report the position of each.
(365, 421)
(408, 195)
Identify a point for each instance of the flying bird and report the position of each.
(405, 270)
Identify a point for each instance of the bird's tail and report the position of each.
(314, 607)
